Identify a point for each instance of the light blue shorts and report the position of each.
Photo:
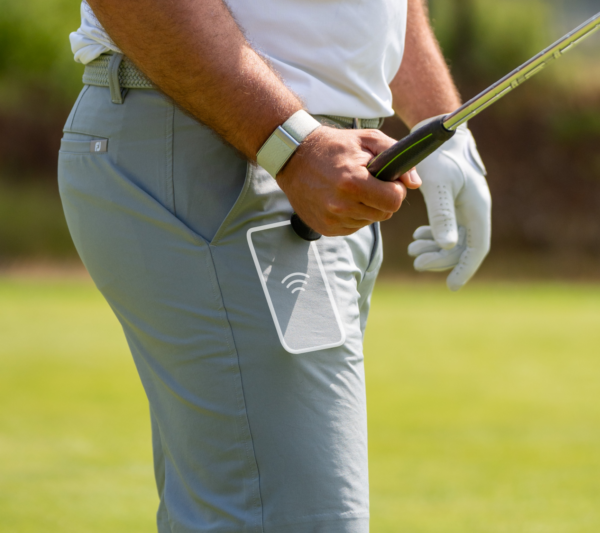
(248, 340)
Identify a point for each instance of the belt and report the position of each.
(130, 77)
(98, 73)
(346, 122)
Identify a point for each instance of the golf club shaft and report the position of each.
(526, 71)
(414, 148)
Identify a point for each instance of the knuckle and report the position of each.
(335, 207)
(370, 134)
(373, 134)
(349, 186)
(396, 202)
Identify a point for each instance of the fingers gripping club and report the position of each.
(411, 150)
(395, 161)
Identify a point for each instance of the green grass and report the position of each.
(484, 411)
(74, 431)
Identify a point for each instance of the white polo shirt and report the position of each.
(339, 56)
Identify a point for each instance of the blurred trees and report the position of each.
(484, 40)
(38, 83)
(35, 50)
(540, 143)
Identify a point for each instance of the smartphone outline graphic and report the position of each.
(263, 283)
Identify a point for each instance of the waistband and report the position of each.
(130, 77)
(109, 70)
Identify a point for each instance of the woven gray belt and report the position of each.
(130, 77)
(345, 122)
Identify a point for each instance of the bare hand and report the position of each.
(330, 188)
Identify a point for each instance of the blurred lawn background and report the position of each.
(483, 411)
(483, 405)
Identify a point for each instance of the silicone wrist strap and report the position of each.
(284, 141)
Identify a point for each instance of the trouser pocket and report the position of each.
(296, 288)
(76, 143)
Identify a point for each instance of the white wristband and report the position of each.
(284, 141)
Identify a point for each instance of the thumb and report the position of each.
(442, 216)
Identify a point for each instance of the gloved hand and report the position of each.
(459, 209)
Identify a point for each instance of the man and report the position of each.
(248, 340)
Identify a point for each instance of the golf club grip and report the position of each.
(395, 161)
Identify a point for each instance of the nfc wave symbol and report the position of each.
(296, 281)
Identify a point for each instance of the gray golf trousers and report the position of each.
(247, 339)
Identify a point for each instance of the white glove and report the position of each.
(459, 209)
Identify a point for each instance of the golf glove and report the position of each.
(459, 210)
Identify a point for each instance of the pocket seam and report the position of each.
(237, 206)
(84, 145)
(76, 107)
(86, 134)
(375, 252)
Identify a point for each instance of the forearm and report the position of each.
(196, 54)
(423, 86)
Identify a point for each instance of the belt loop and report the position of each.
(116, 94)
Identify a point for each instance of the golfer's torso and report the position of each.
(339, 56)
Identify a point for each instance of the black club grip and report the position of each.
(395, 161)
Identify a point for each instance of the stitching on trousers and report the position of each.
(170, 149)
(249, 447)
(76, 108)
(236, 207)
